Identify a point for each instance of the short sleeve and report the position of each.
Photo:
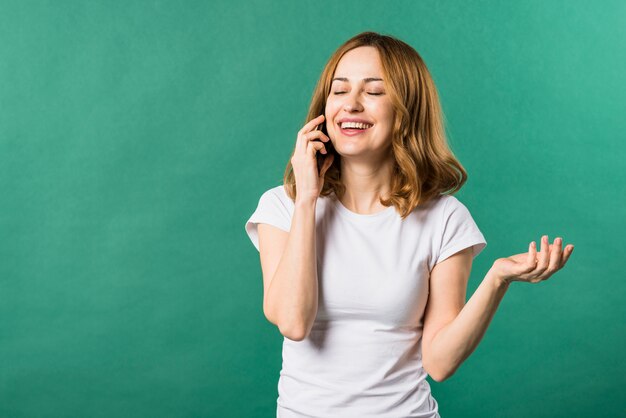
(271, 210)
(459, 231)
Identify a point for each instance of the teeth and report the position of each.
(346, 125)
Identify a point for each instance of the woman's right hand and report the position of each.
(309, 182)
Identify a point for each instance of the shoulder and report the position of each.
(434, 207)
(449, 200)
(450, 204)
(449, 210)
(275, 193)
(276, 197)
(274, 208)
(279, 194)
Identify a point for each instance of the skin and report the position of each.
(531, 266)
(452, 327)
(366, 161)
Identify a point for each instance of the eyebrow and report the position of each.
(367, 80)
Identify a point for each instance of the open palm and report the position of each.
(534, 266)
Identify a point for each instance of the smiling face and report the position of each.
(358, 92)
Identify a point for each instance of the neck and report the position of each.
(365, 184)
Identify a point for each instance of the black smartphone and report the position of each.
(328, 145)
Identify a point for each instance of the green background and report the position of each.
(137, 137)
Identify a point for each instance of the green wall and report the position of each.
(135, 141)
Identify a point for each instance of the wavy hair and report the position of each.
(425, 166)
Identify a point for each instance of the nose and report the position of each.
(352, 102)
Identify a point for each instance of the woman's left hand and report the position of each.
(533, 267)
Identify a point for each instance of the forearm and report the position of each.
(456, 341)
(293, 291)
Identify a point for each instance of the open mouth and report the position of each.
(354, 128)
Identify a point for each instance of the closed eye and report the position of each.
(373, 94)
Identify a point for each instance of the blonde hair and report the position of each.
(425, 166)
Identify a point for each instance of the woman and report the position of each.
(364, 251)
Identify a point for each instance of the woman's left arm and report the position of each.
(447, 346)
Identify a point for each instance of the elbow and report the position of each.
(293, 333)
(436, 373)
(294, 330)
(294, 336)
(439, 377)
(268, 315)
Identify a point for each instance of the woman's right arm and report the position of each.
(291, 292)
(289, 260)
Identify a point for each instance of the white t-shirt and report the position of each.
(363, 356)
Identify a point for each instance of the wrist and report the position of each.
(306, 202)
(499, 281)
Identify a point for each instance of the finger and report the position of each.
(301, 140)
(309, 137)
(555, 258)
(527, 267)
(568, 251)
(312, 124)
(544, 255)
(531, 261)
(315, 146)
(315, 135)
(305, 139)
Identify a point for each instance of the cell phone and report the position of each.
(328, 145)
